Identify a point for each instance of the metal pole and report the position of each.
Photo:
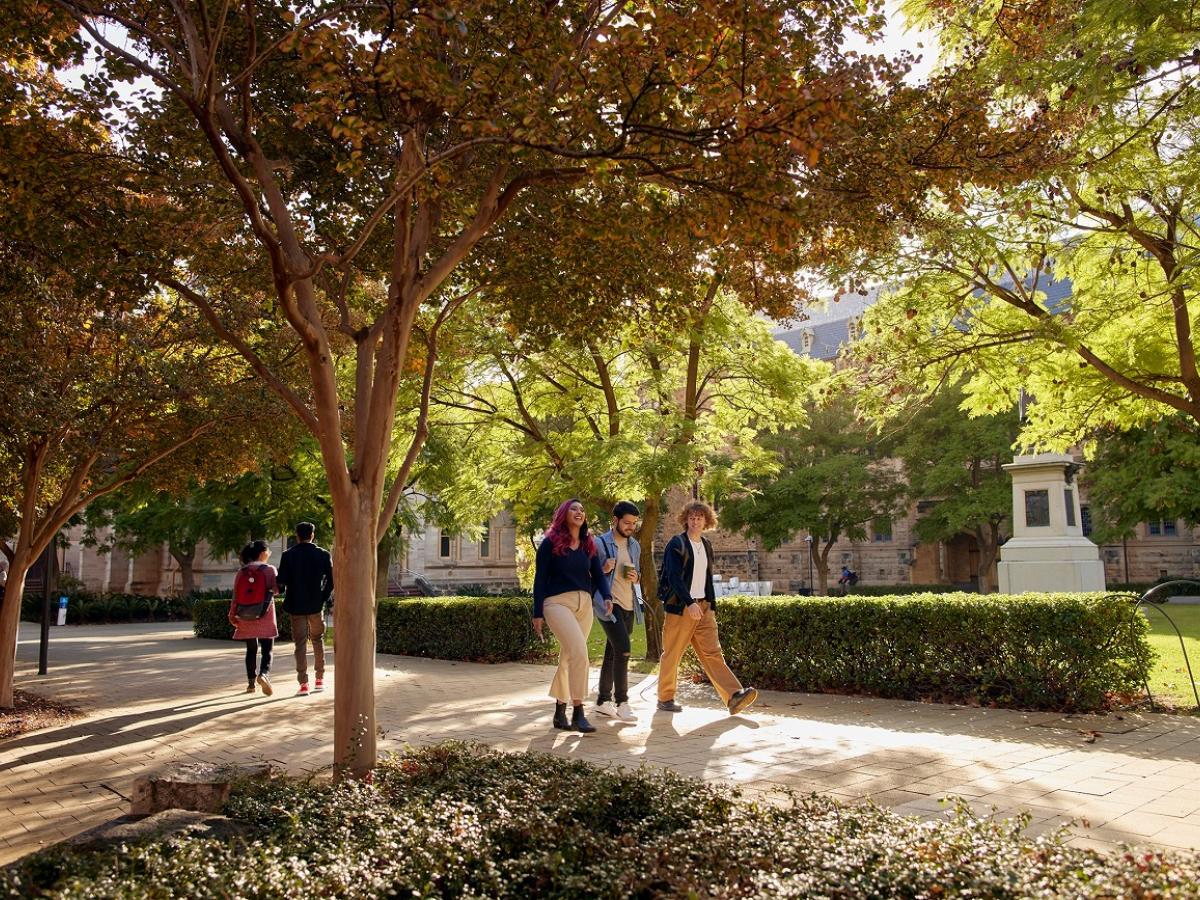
(49, 584)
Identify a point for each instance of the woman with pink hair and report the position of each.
(567, 574)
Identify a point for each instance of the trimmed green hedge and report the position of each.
(210, 619)
(898, 590)
(456, 821)
(91, 608)
(1039, 651)
(482, 629)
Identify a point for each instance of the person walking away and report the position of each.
(306, 576)
(567, 573)
(620, 556)
(252, 613)
(690, 602)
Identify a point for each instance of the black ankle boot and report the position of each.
(560, 717)
(579, 721)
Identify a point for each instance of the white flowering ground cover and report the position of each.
(463, 821)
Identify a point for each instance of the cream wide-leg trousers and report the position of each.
(569, 616)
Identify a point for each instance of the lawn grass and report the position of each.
(637, 659)
(1169, 678)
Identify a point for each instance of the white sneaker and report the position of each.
(625, 714)
(607, 709)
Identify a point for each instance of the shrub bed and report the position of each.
(210, 619)
(483, 629)
(94, 608)
(455, 821)
(1039, 651)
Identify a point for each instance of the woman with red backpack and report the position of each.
(252, 613)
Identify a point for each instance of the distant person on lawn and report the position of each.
(306, 575)
(255, 579)
(687, 594)
(567, 573)
(620, 555)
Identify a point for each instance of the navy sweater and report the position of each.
(573, 571)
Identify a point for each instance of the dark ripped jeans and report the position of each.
(614, 673)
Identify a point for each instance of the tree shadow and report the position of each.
(113, 732)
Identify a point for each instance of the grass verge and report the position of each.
(1169, 677)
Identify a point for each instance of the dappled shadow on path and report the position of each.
(111, 733)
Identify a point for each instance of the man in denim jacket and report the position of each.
(620, 555)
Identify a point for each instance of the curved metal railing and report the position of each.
(1153, 599)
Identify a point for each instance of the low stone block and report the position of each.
(134, 829)
(201, 787)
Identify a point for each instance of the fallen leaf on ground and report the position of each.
(31, 713)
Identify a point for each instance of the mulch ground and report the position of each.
(32, 712)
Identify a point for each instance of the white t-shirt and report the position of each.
(699, 568)
(622, 587)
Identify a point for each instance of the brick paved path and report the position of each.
(155, 694)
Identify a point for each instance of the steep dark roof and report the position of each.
(830, 327)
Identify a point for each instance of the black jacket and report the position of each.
(675, 588)
(306, 574)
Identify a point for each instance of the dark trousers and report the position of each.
(614, 672)
(252, 644)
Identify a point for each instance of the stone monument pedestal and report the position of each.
(1047, 551)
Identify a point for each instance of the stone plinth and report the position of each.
(1047, 551)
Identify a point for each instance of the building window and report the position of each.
(1069, 495)
(1085, 517)
(807, 336)
(445, 546)
(1161, 528)
(882, 530)
(1037, 509)
(854, 328)
(485, 541)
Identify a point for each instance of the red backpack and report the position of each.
(250, 591)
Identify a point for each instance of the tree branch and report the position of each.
(247, 352)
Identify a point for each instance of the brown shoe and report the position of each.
(264, 681)
(742, 700)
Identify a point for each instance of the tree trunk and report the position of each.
(383, 562)
(354, 563)
(649, 577)
(10, 621)
(988, 538)
(822, 578)
(822, 562)
(187, 568)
